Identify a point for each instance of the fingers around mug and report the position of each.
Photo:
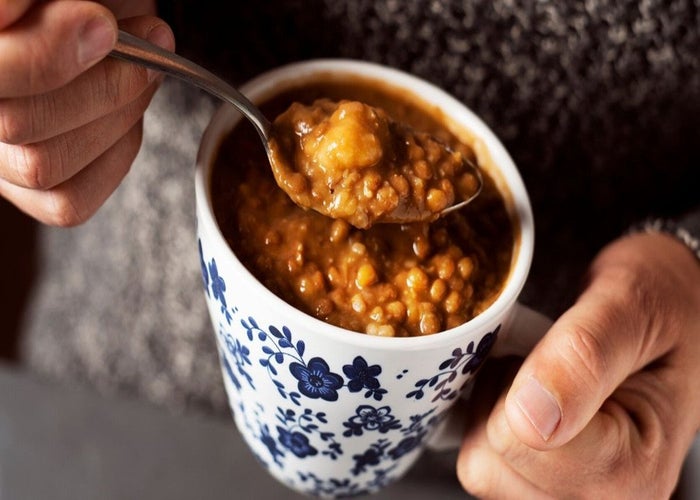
(52, 44)
(11, 10)
(601, 340)
(494, 463)
(626, 446)
(480, 469)
(485, 474)
(76, 200)
(99, 91)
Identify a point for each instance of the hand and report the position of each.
(607, 405)
(70, 119)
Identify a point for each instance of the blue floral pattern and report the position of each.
(240, 355)
(316, 379)
(282, 395)
(467, 361)
(203, 268)
(217, 283)
(369, 418)
(296, 429)
(362, 376)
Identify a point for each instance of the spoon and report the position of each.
(137, 50)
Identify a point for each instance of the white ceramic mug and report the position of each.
(328, 411)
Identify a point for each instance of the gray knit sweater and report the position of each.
(597, 101)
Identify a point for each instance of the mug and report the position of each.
(331, 412)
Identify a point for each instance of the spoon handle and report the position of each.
(137, 50)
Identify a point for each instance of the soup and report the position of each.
(393, 280)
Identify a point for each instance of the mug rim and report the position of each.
(267, 84)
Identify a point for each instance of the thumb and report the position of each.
(608, 334)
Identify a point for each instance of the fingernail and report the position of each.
(161, 36)
(539, 406)
(95, 40)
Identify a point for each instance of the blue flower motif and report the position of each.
(362, 376)
(316, 380)
(370, 457)
(331, 487)
(406, 445)
(271, 444)
(371, 419)
(231, 375)
(374, 418)
(293, 424)
(482, 351)
(203, 266)
(379, 419)
(240, 354)
(218, 285)
(296, 442)
(468, 361)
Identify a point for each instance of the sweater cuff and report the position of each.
(686, 230)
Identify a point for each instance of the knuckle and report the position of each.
(36, 167)
(474, 477)
(22, 119)
(118, 83)
(108, 88)
(634, 302)
(19, 119)
(475, 481)
(13, 127)
(648, 305)
(587, 355)
(30, 165)
(64, 209)
(630, 288)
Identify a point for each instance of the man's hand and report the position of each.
(70, 119)
(607, 405)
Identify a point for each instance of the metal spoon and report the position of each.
(137, 50)
(134, 49)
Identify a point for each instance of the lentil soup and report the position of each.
(350, 161)
(386, 280)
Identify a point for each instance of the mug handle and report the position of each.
(521, 333)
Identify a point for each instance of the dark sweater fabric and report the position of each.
(598, 102)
